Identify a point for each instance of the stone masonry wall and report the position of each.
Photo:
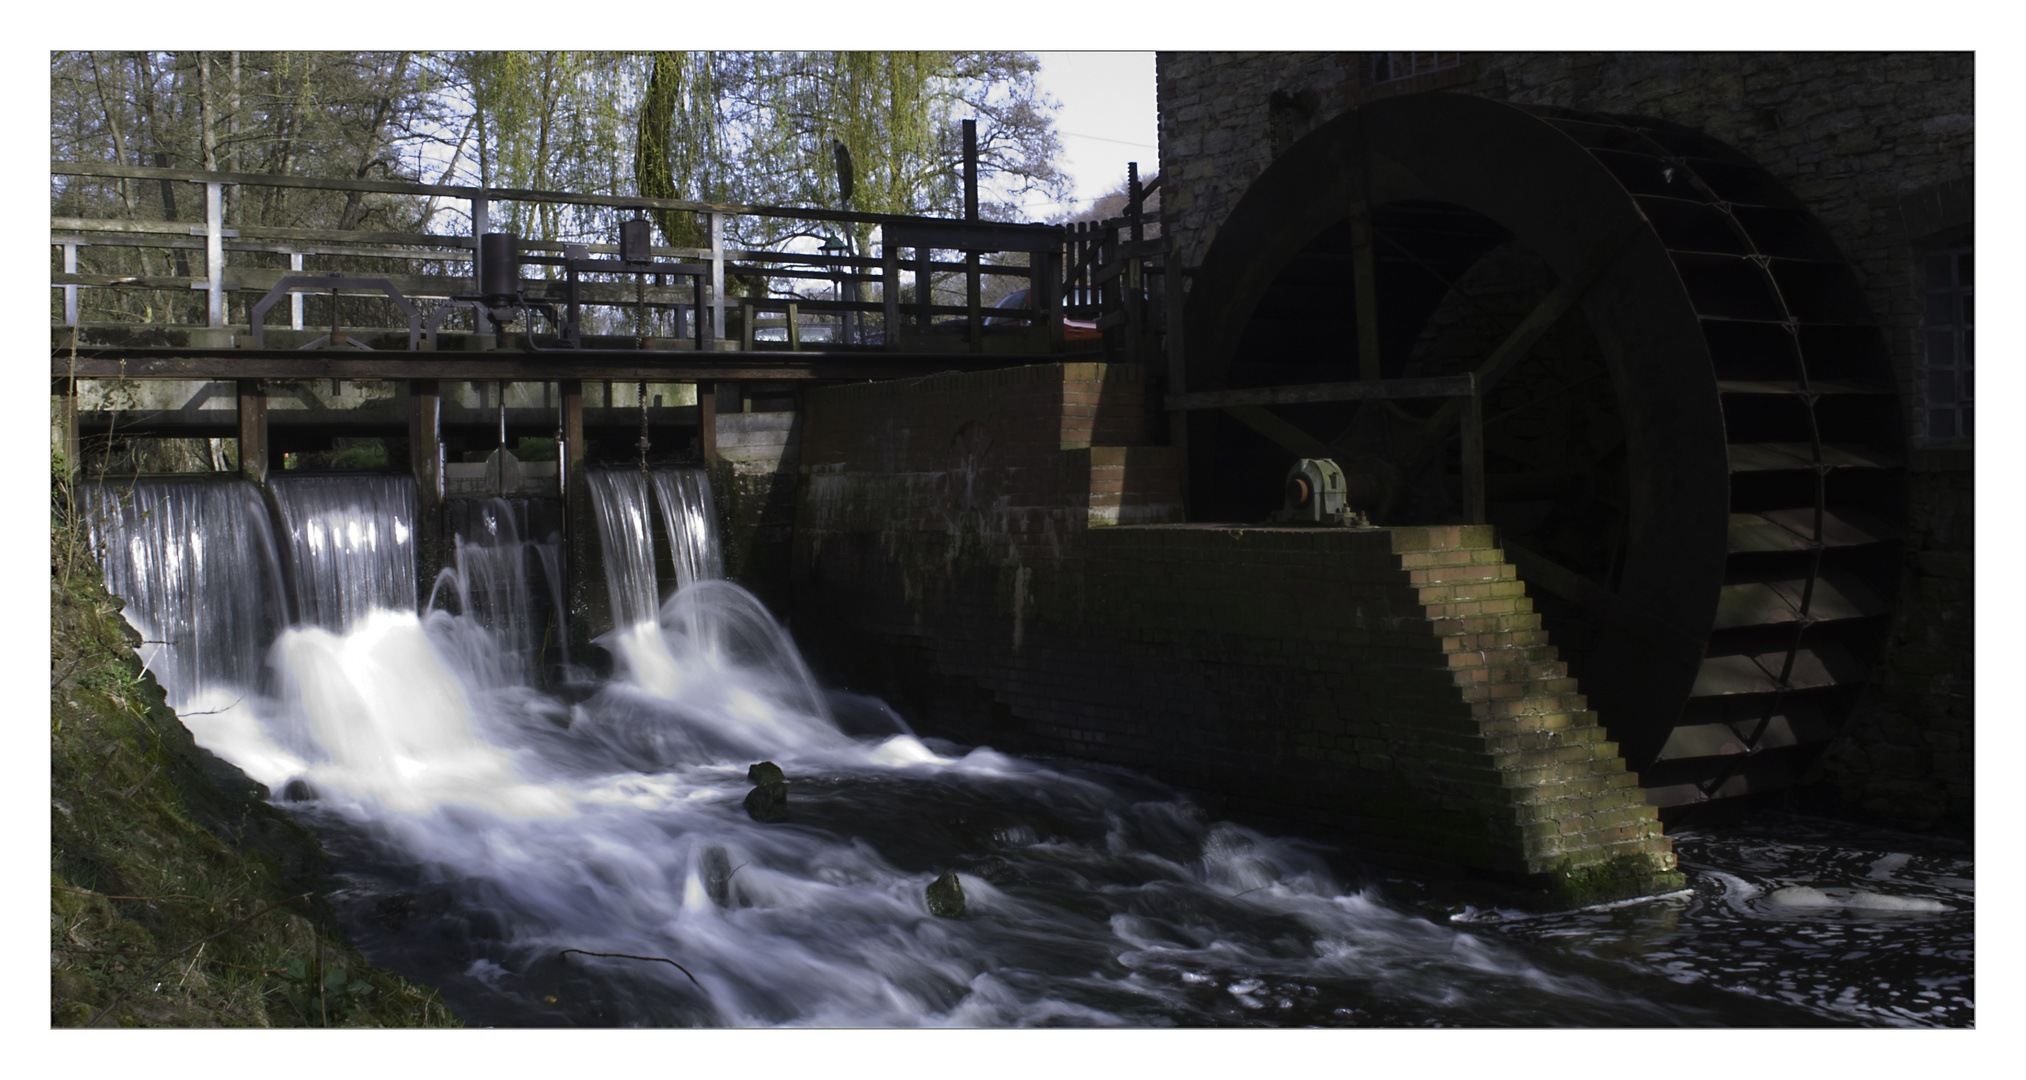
(1879, 146)
(952, 554)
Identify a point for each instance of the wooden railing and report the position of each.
(1085, 271)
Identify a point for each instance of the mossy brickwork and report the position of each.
(957, 551)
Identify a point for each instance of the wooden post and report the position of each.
(974, 317)
(923, 291)
(1046, 295)
(253, 430)
(572, 393)
(65, 407)
(425, 460)
(425, 441)
(889, 291)
(707, 421)
(1178, 371)
(1473, 456)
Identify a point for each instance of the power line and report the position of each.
(1101, 138)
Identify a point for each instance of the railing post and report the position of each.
(1473, 455)
(717, 275)
(214, 252)
(1178, 372)
(70, 291)
(1047, 295)
(889, 291)
(295, 299)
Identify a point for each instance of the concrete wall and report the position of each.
(954, 552)
(1879, 146)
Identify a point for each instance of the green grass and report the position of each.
(178, 897)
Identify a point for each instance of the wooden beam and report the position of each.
(707, 421)
(253, 430)
(425, 440)
(1473, 459)
(1440, 386)
(1285, 435)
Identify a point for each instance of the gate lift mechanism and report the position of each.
(500, 289)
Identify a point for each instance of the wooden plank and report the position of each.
(1440, 386)
(972, 235)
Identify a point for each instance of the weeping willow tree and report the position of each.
(557, 121)
(765, 127)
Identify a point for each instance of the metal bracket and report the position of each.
(336, 281)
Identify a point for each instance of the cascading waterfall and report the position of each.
(493, 836)
(166, 545)
(491, 579)
(349, 543)
(690, 515)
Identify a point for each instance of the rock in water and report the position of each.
(717, 875)
(768, 802)
(764, 773)
(946, 896)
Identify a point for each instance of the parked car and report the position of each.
(1072, 329)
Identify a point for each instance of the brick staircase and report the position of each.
(1579, 811)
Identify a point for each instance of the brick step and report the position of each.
(1494, 655)
(1569, 754)
(1445, 626)
(1487, 590)
(1503, 639)
(1521, 741)
(1565, 723)
(1496, 708)
(1576, 806)
(1545, 686)
(1453, 575)
(1591, 785)
(1525, 675)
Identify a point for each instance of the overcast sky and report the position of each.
(1106, 119)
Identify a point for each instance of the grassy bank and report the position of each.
(178, 897)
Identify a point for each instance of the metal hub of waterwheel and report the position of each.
(1692, 446)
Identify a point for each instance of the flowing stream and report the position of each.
(497, 836)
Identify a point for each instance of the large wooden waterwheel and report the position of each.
(1693, 449)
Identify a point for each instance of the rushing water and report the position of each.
(495, 835)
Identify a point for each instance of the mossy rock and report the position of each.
(946, 896)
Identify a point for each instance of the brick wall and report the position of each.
(1879, 146)
(953, 554)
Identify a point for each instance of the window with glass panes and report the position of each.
(1949, 327)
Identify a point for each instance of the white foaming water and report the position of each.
(495, 835)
